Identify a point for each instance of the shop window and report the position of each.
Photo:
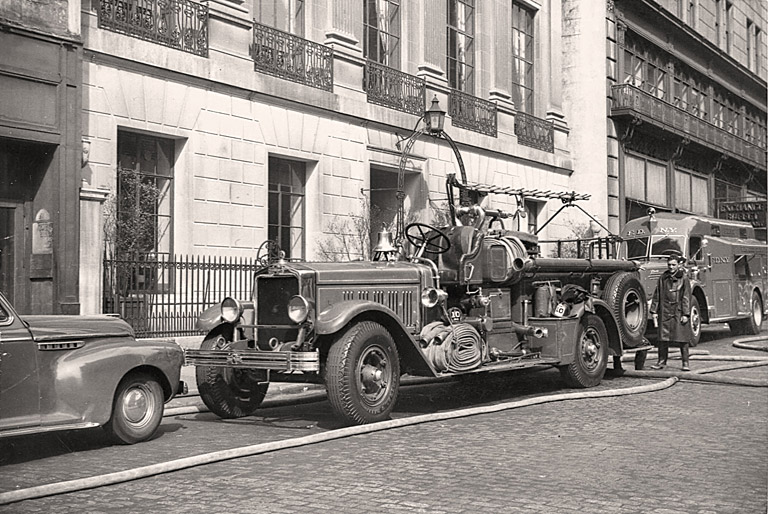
(287, 180)
(646, 180)
(691, 192)
(381, 27)
(461, 45)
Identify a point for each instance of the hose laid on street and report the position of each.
(258, 449)
(743, 343)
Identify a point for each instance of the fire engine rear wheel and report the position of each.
(694, 321)
(626, 298)
(751, 325)
(228, 392)
(591, 354)
(363, 374)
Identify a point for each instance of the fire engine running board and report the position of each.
(252, 359)
(527, 361)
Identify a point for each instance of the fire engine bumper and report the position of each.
(254, 359)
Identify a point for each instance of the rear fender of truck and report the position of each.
(336, 318)
(602, 310)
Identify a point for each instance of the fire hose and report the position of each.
(452, 348)
(258, 449)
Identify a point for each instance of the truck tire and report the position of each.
(363, 374)
(137, 409)
(694, 321)
(750, 325)
(228, 392)
(591, 354)
(625, 296)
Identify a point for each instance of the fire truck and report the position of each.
(727, 266)
(467, 298)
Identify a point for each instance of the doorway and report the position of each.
(8, 231)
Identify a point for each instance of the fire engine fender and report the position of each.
(333, 319)
(604, 312)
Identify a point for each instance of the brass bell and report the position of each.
(384, 248)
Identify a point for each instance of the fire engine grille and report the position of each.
(401, 302)
(273, 294)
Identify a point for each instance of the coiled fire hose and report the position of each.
(258, 449)
(452, 348)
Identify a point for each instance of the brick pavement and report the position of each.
(692, 448)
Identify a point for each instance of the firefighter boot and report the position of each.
(663, 354)
(685, 355)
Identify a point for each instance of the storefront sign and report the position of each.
(753, 212)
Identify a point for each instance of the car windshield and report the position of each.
(663, 246)
(634, 248)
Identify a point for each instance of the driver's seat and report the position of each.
(466, 243)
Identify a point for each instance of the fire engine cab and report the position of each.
(727, 265)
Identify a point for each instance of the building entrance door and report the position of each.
(9, 220)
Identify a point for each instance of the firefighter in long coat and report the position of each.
(671, 307)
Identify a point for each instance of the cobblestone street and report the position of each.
(690, 448)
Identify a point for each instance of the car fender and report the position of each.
(337, 316)
(602, 309)
(86, 380)
(209, 319)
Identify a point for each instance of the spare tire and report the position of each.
(625, 296)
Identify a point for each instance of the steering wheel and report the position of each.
(418, 235)
(269, 252)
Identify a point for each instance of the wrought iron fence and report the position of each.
(472, 113)
(163, 295)
(180, 24)
(534, 132)
(291, 57)
(394, 89)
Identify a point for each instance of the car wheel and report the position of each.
(694, 320)
(625, 297)
(591, 354)
(751, 325)
(228, 392)
(363, 374)
(137, 410)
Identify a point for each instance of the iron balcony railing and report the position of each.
(292, 58)
(632, 101)
(179, 24)
(163, 295)
(472, 113)
(394, 89)
(534, 132)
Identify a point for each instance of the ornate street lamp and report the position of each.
(434, 118)
(434, 123)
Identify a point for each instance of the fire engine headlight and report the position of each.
(431, 297)
(231, 310)
(298, 309)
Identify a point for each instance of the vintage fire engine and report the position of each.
(727, 266)
(471, 297)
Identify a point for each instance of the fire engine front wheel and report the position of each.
(228, 392)
(363, 374)
(591, 354)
